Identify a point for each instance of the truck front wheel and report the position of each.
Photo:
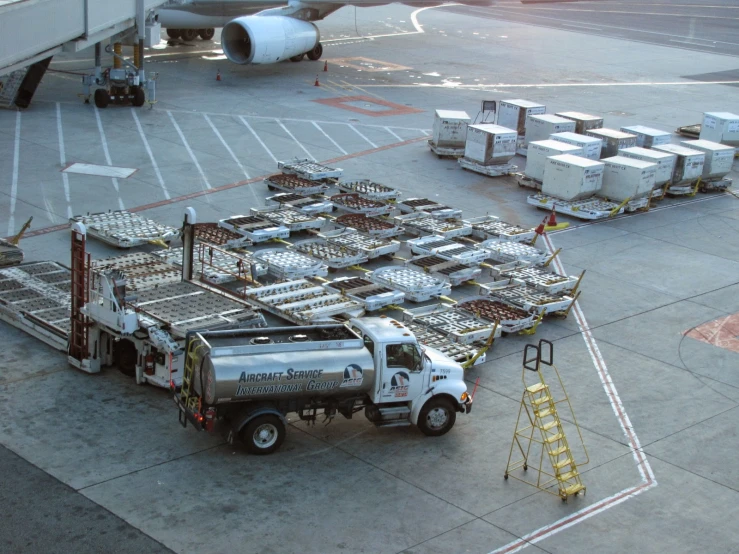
(437, 417)
(263, 434)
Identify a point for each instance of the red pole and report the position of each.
(475, 389)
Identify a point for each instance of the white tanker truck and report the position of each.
(251, 378)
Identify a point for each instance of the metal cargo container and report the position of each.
(540, 150)
(720, 127)
(572, 177)
(665, 161)
(489, 144)
(583, 122)
(689, 164)
(626, 178)
(719, 157)
(613, 141)
(591, 146)
(513, 113)
(541, 127)
(450, 128)
(647, 137)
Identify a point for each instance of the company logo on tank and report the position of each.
(353, 376)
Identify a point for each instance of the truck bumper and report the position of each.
(468, 405)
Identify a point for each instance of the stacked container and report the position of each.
(540, 150)
(665, 162)
(646, 137)
(720, 127)
(719, 157)
(689, 164)
(541, 127)
(613, 140)
(489, 144)
(627, 179)
(513, 113)
(583, 122)
(591, 146)
(450, 128)
(571, 177)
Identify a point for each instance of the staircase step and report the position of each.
(395, 410)
(573, 489)
(539, 401)
(544, 413)
(549, 425)
(566, 462)
(554, 438)
(567, 476)
(536, 388)
(393, 423)
(558, 451)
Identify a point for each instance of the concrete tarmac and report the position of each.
(655, 393)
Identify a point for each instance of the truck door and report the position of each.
(402, 374)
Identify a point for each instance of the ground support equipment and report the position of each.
(216, 235)
(310, 170)
(410, 205)
(372, 226)
(373, 296)
(335, 256)
(448, 270)
(506, 251)
(491, 227)
(458, 325)
(417, 286)
(35, 298)
(458, 352)
(494, 170)
(123, 229)
(303, 302)
(295, 184)
(215, 265)
(445, 152)
(540, 445)
(355, 204)
(142, 270)
(287, 264)
(448, 250)
(527, 297)
(715, 185)
(510, 319)
(527, 182)
(307, 204)
(372, 247)
(589, 209)
(370, 190)
(293, 219)
(420, 223)
(537, 276)
(255, 227)
(637, 205)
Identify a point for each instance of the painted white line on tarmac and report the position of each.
(336, 144)
(642, 464)
(189, 150)
(63, 157)
(150, 153)
(389, 130)
(281, 124)
(14, 182)
(353, 128)
(104, 142)
(256, 136)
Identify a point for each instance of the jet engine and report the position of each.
(254, 39)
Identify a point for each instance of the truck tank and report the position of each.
(265, 364)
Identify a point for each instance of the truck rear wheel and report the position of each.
(437, 417)
(263, 434)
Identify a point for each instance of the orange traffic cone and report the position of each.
(552, 219)
(316, 84)
(325, 65)
(218, 75)
(540, 229)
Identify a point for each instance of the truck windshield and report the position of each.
(370, 345)
(403, 355)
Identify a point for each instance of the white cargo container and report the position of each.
(626, 178)
(513, 113)
(450, 128)
(720, 127)
(613, 140)
(689, 164)
(665, 161)
(583, 122)
(540, 150)
(719, 157)
(591, 146)
(489, 144)
(541, 127)
(572, 177)
(647, 137)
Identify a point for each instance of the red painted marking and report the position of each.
(190, 196)
(392, 108)
(722, 332)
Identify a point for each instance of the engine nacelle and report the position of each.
(267, 39)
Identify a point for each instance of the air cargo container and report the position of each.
(572, 177)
